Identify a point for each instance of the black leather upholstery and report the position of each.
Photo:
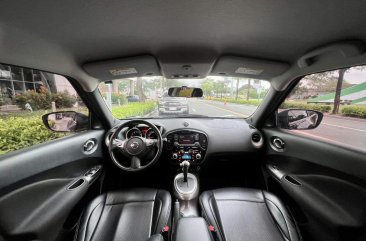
(156, 237)
(240, 214)
(134, 214)
(192, 229)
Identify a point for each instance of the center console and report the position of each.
(187, 145)
(186, 190)
(187, 148)
(192, 229)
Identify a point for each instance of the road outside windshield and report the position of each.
(224, 97)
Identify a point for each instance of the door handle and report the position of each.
(76, 184)
(292, 180)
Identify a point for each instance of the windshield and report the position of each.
(224, 97)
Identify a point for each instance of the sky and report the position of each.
(354, 76)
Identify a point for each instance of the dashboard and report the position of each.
(198, 139)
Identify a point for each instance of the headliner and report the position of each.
(61, 36)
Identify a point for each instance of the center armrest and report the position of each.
(192, 229)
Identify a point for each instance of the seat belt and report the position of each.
(213, 232)
(165, 233)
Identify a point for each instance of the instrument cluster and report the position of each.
(141, 131)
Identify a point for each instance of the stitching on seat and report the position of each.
(289, 233)
(159, 214)
(78, 226)
(205, 216)
(112, 204)
(214, 215)
(205, 212)
(239, 200)
(283, 235)
(168, 213)
(292, 217)
(96, 225)
(87, 221)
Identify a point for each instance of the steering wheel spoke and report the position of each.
(135, 162)
(151, 142)
(118, 143)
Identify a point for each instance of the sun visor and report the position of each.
(123, 68)
(248, 67)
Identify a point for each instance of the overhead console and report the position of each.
(186, 145)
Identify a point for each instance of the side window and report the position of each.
(25, 96)
(341, 96)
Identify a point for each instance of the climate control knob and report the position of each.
(174, 156)
(198, 156)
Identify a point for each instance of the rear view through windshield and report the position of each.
(225, 97)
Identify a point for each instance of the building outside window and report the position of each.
(16, 80)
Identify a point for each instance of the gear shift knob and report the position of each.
(185, 166)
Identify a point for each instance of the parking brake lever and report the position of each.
(185, 166)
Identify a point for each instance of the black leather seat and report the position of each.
(134, 214)
(240, 214)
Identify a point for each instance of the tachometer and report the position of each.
(133, 132)
(150, 134)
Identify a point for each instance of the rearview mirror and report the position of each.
(185, 91)
(66, 121)
(299, 119)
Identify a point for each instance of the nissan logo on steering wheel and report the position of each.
(134, 145)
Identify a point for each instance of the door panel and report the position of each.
(39, 186)
(326, 185)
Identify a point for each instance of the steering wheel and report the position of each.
(135, 148)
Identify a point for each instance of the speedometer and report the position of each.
(150, 134)
(133, 132)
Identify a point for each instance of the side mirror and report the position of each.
(299, 119)
(185, 91)
(66, 121)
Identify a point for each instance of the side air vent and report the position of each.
(256, 137)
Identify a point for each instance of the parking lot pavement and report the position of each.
(338, 130)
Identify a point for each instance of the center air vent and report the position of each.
(256, 137)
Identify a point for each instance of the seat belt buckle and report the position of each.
(165, 232)
(213, 232)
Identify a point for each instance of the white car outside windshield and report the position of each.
(224, 97)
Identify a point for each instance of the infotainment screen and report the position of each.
(186, 139)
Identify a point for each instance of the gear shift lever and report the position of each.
(185, 166)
